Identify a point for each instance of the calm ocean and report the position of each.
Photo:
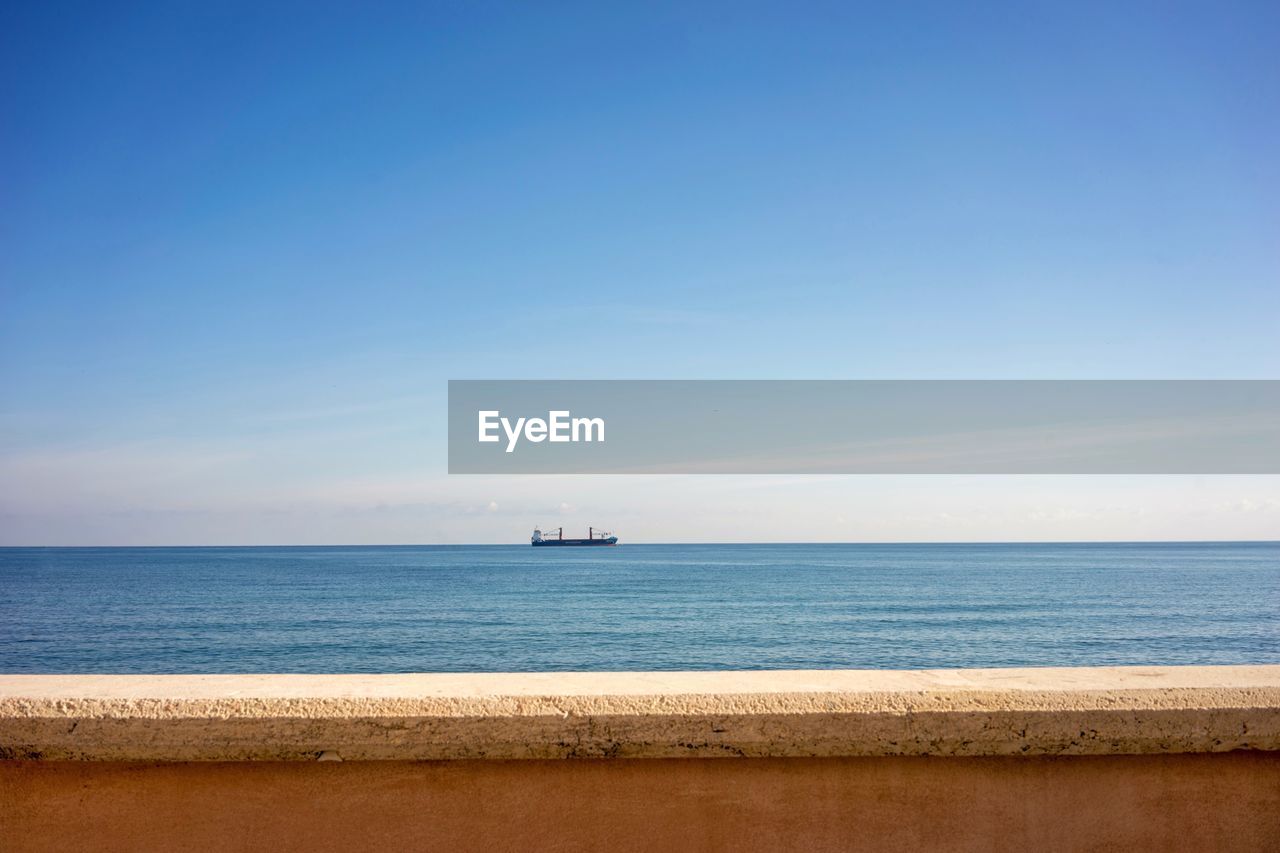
(513, 608)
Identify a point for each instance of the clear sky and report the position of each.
(242, 249)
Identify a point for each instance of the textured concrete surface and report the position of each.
(1094, 711)
(1218, 802)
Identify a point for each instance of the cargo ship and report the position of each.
(558, 539)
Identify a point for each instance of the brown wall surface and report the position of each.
(1225, 801)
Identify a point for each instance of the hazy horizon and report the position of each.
(660, 544)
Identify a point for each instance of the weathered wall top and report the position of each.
(1090, 711)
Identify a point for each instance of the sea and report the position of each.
(636, 607)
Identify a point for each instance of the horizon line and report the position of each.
(763, 542)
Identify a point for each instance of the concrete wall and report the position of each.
(1098, 759)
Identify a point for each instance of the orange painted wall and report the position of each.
(1172, 802)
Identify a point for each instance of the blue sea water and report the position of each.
(516, 608)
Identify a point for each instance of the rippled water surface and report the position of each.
(513, 608)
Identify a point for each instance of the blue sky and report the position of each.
(242, 249)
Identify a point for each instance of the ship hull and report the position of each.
(543, 543)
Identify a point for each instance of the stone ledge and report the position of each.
(1070, 711)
